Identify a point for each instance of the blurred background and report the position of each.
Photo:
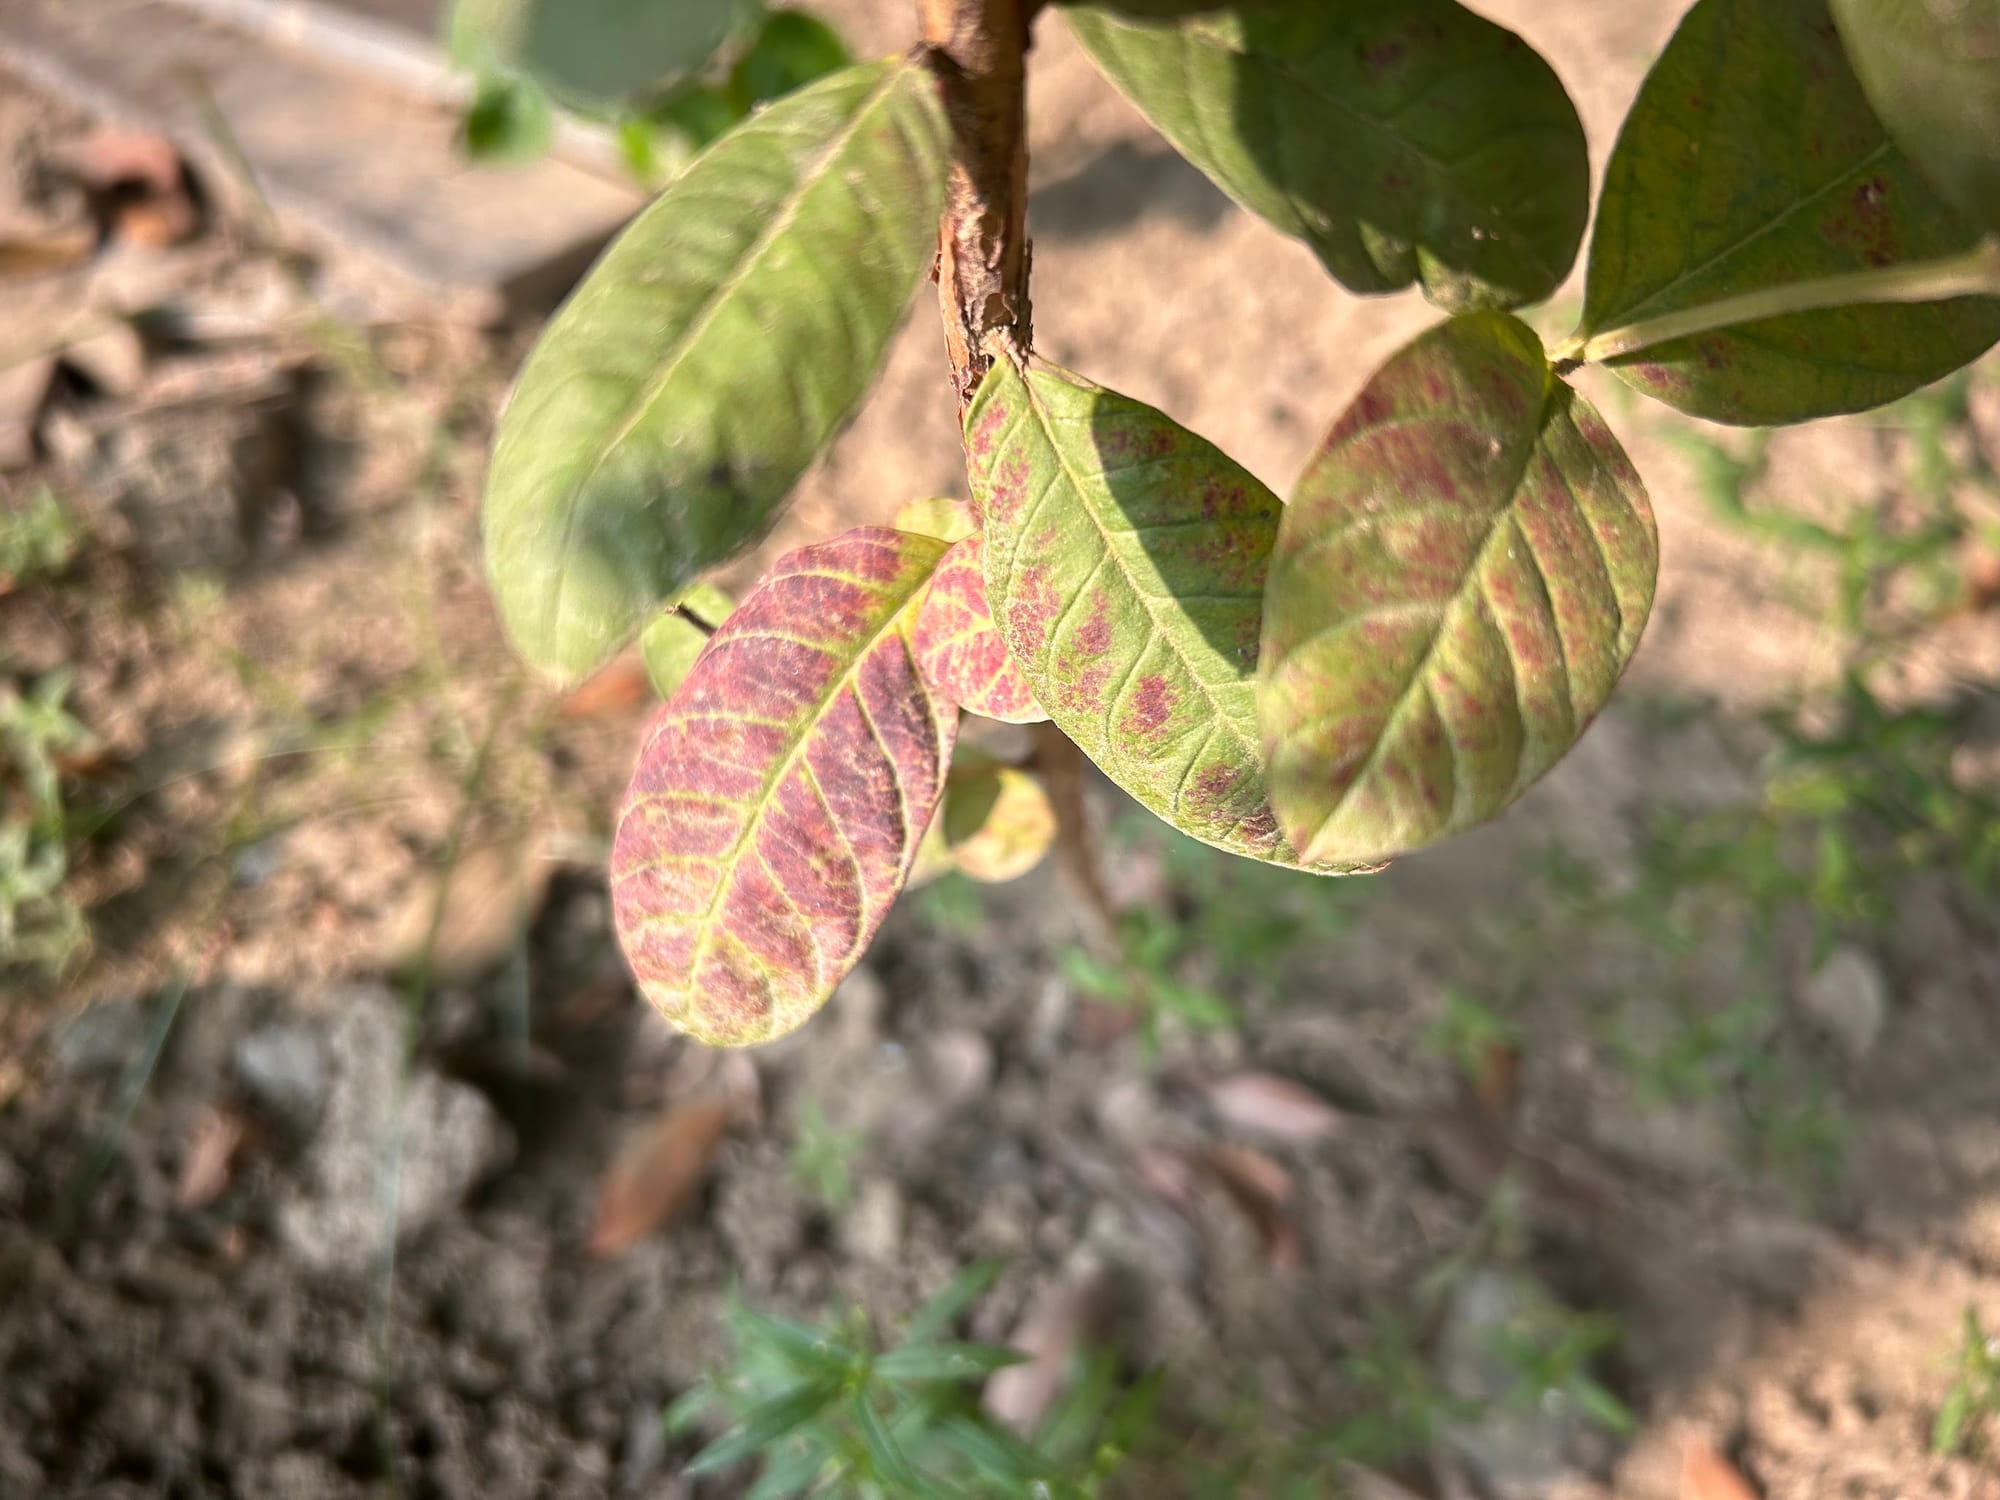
(1643, 1144)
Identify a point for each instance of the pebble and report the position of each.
(391, 1130)
(1848, 996)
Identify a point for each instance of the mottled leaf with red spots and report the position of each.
(782, 793)
(1407, 143)
(1752, 160)
(1125, 562)
(958, 647)
(1460, 579)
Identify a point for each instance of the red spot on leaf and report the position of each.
(1152, 703)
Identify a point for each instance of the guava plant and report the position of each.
(1461, 572)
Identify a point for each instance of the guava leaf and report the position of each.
(509, 119)
(709, 355)
(592, 52)
(998, 823)
(782, 792)
(960, 652)
(946, 519)
(1932, 71)
(791, 50)
(1460, 579)
(1407, 143)
(668, 646)
(1751, 159)
(1125, 562)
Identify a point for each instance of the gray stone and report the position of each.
(282, 1067)
(1519, 1444)
(873, 1228)
(1848, 997)
(103, 1040)
(392, 1131)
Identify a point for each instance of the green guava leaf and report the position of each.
(958, 648)
(509, 119)
(592, 52)
(782, 792)
(1404, 143)
(1932, 71)
(998, 822)
(1459, 580)
(668, 646)
(1125, 562)
(714, 348)
(791, 50)
(674, 637)
(1752, 160)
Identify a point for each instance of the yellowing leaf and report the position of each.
(946, 519)
(1459, 581)
(782, 793)
(1125, 562)
(711, 352)
(960, 652)
(998, 823)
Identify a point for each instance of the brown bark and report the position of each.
(978, 49)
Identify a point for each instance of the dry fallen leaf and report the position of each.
(24, 387)
(620, 686)
(138, 186)
(491, 894)
(1262, 1189)
(1062, 1315)
(37, 255)
(1707, 1475)
(1274, 1107)
(1497, 1081)
(1169, 1174)
(209, 1161)
(657, 1172)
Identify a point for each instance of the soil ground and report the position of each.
(304, 719)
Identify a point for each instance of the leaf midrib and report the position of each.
(842, 680)
(1407, 693)
(1043, 420)
(1666, 290)
(655, 386)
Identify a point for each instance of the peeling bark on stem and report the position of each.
(978, 49)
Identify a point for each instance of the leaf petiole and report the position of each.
(1975, 273)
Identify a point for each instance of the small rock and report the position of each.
(1849, 997)
(1517, 1447)
(873, 1228)
(1128, 1110)
(282, 1068)
(424, 1138)
(956, 1066)
(102, 1040)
